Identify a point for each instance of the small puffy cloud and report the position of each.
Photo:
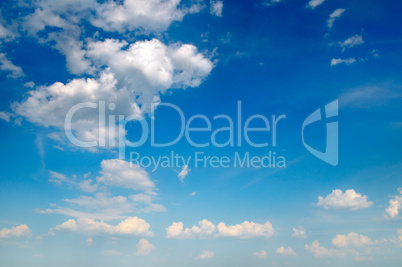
(216, 8)
(208, 229)
(193, 194)
(395, 205)
(130, 226)
(314, 3)
(111, 252)
(352, 239)
(144, 247)
(15, 231)
(7, 66)
(299, 232)
(336, 61)
(117, 172)
(176, 230)
(89, 241)
(318, 250)
(30, 84)
(183, 173)
(205, 255)
(285, 251)
(352, 42)
(348, 200)
(246, 230)
(260, 254)
(334, 15)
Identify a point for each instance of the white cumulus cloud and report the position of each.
(130, 226)
(352, 239)
(208, 229)
(144, 247)
(15, 231)
(348, 200)
(318, 250)
(285, 251)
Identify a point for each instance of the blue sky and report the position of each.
(63, 205)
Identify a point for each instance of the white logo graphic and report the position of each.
(330, 155)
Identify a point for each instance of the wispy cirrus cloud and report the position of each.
(336, 61)
(353, 41)
(315, 3)
(335, 15)
(368, 96)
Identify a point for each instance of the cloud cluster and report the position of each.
(318, 250)
(130, 226)
(208, 229)
(348, 200)
(15, 231)
(352, 239)
(285, 251)
(130, 77)
(103, 206)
